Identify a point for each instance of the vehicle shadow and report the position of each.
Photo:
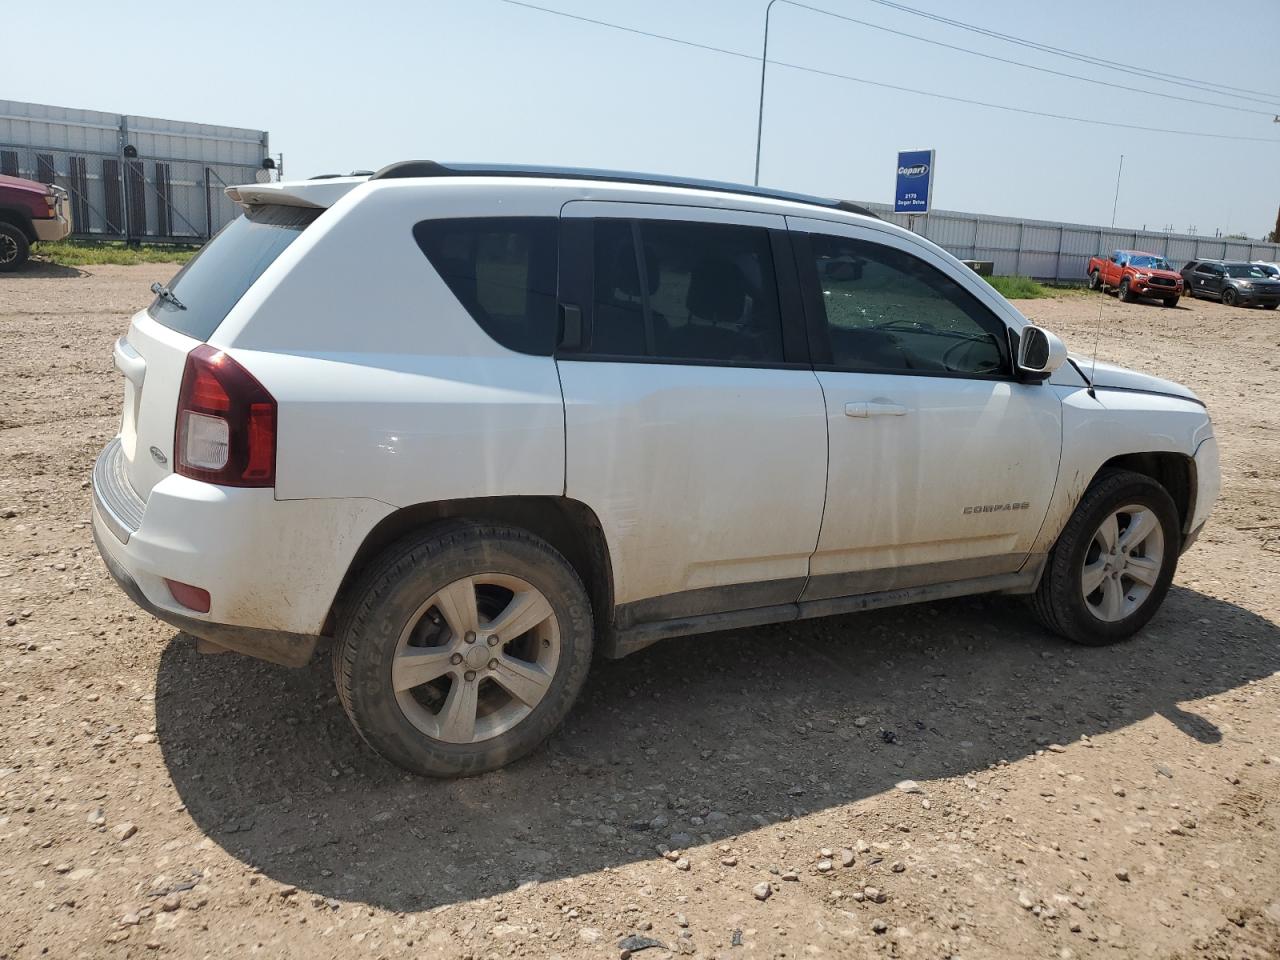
(42, 270)
(710, 737)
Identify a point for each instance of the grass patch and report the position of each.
(1019, 288)
(81, 253)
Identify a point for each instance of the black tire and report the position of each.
(1270, 306)
(1229, 297)
(1095, 281)
(396, 585)
(1059, 601)
(1126, 295)
(1188, 290)
(14, 248)
(1170, 301)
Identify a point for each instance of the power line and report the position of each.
(642, 33)
(1202, 85)
(1028, 66)
(887, 86)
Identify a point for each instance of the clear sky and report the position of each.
(351, 85)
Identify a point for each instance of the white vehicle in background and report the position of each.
(477, 424)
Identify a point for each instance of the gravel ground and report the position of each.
(936, 781)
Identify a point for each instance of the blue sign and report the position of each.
(914, 191)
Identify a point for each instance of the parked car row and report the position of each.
(1135, 274)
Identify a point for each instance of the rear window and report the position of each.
(503, 270)
(215, 279)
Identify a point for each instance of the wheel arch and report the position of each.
(20, 220)
(1173, 471)
(568, 525)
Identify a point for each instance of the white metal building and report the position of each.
(132, 178)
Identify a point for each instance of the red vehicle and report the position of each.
(1136, 274)
(29, 211)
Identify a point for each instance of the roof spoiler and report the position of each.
(406, 169)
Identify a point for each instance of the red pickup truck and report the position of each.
(29, 211)
(1136, 274)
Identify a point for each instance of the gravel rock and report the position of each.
(824, 866)
(846, 857)
(762, 890)
(682, 863)
(96, 817)
(1122, 874)
(909, 786)
(879, 926)
(123, 831)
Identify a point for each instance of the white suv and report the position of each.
(479, 423)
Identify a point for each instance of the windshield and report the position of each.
(1148, 262)
(1271, 271)
(1249, 271)
(214, 280)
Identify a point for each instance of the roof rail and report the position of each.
(430, 168)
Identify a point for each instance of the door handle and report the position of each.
(874, 408)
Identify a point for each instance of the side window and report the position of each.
(1204, 268)
(503, 270)
(695, 291)
(887, 310)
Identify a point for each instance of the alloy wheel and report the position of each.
(8, 248)
(1123, 562)
(476, 658)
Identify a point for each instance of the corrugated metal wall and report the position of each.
(1049, 250)
(169, 187)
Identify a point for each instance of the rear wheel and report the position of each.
(1095, 281)
(14, 248)
(1270, 306)
(1112, 565)
(1126, 295)
(1229, 296)
(463, 648)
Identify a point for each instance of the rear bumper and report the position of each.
(277, 646)
(272, 567)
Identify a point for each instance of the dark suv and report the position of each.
(1234, 282)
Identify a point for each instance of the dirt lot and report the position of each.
(1073, 802)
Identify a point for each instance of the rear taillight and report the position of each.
(226, 431)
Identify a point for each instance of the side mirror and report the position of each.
(1039, 353)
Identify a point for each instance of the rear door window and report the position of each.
(215, 279)
(503, 270)
(685, 291)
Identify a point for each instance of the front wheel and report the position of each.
(1095, 281)
(14, 248)
(1170, 301)
(1113, 563)
(463, 648)
(1229, 296)
(1270, 306)
(1126, 295)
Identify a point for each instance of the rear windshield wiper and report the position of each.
(164, 293)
